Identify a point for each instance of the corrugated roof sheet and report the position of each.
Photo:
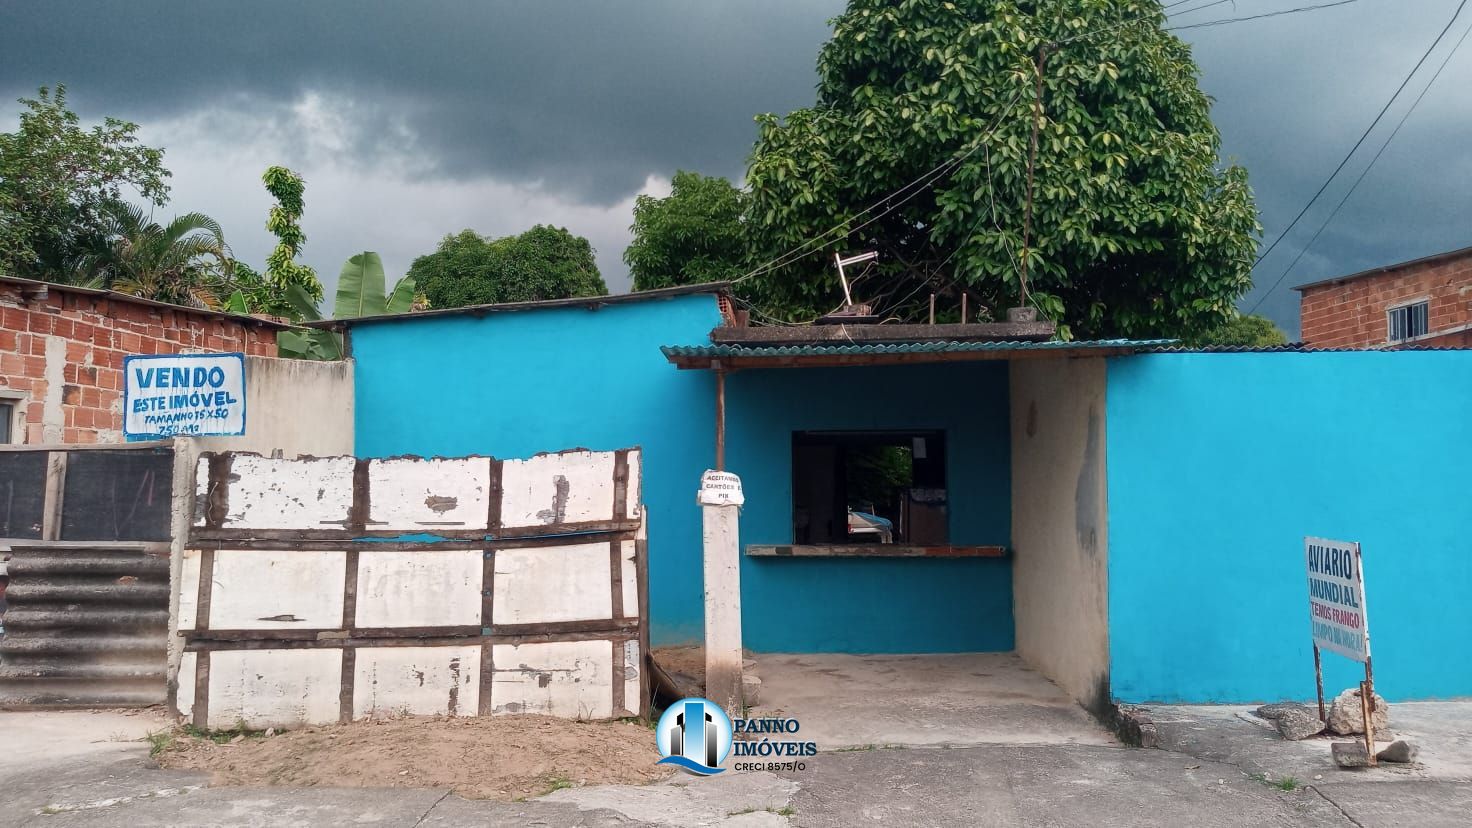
(721, 351)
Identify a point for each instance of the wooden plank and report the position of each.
(487, 676)
(350, 589)
(780, 335)
(348, 682)
(493, 507)
(201, 707)
(646, 694)
(596, 628)
(217, 645)
(51, 508)
(875, 550)
(332, 539)
(734, 363)
(47, 447)
(206, 590)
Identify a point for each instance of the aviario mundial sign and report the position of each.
(1336, 597)
(183, 394)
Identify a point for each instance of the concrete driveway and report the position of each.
(60, 770)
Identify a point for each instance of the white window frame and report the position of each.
(1390, 325)
(17, 401)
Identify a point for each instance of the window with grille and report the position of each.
(1408, 321)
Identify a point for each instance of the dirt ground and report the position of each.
(503, 757)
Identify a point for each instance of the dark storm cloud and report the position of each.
(443, 107)
(587, 97)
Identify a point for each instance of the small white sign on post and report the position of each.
(1336, 597)
(190, 394)
(718, 488)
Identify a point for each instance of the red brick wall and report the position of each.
(64, 356)
(1351, 314)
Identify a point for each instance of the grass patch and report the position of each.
(1287, 783)
(558, 783)
(225, 736)
(160, 741)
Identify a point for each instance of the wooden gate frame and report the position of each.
(355, 537)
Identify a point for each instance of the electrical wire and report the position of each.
(923, 182)
(1368, 167)
(1357, 144)
(1227, 20)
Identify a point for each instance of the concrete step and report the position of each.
(84, 672)
(127, 592)
(142, 566)
(65, 645)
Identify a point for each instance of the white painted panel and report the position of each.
(184, 699)
(274, 688)
(632, 665)
(634, 503)
(628, 557)
(410, 493)
(552, 583)
(572, 679)
(571, 487)
(420, 681)
(277, 590)
(311, 493)
(419, 588)
(188, 587)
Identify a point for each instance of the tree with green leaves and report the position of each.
(1247, 331)
(284, 222)
(184, 262)
(360, 292)
(542, 263)
(1136, 228)
(60, 181)
(691, 236)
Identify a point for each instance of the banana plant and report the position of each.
(360, 292)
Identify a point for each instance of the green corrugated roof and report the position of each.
(723, 351)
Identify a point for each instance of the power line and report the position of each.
(920, 184)
(1227, 20)
(1368, 167)
(1352, 150)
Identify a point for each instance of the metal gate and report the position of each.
(88, 600)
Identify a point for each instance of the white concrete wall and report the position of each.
(293, 407)
(1060, 523)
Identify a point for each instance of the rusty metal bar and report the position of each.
(1319, 682)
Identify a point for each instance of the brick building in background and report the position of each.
(62, 349)
(1424, 302)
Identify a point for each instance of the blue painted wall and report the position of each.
(514, 384)
(875, 605)
(1219, 464)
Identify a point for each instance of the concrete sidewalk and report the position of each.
(79, 769)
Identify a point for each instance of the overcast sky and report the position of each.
(411, 120)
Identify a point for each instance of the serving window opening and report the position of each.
(869, 487)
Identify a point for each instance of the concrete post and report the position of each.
(720, 499)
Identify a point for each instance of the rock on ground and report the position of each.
(1346, 719)
(1297, 724)
(1273, 712)
(1350, 755)
(1399, 751)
